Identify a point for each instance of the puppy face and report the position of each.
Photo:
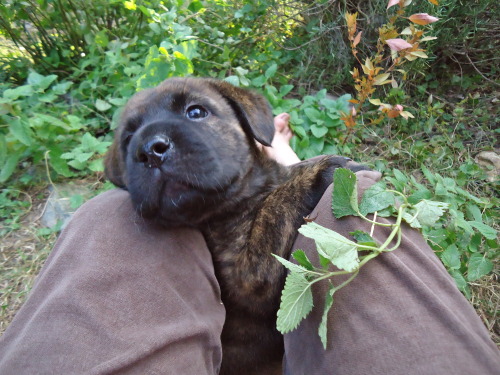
(185, 147)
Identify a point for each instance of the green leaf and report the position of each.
(102, 105)
(58, 163)
(322, 330)
(345, 194)
(96, 165)
(271, 71)
(485, 230)
(13, 94)
(291, 266)
(313, 114)
(259, 81)
(233, 80)
(451, 257)
(428, 212)
(39, 81)
(302, 259)
(461, 282)
(422, 193)
(61, 88)
(285, 89)
(428, 174)
(319, 131)
(9, 166)
(376, 198)
(296, 302)
(363, 238)
(21, 130)
(341, 251)
(478, 266)
(101, 39)
(400, 176)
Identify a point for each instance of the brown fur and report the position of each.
(213, 177)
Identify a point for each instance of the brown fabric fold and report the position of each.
(117, 296)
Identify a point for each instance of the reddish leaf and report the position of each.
(357, 39)
(435, 2)
(398, 44)
(392, 3)
(422, 18)
(395, 111)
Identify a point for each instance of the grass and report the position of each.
(23, 251)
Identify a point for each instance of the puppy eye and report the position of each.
(196, 112)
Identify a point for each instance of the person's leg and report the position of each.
(119, 296)
(402, 314)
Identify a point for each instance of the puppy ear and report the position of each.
(114, 165)
(252, 109)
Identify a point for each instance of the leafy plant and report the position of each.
(379, 69)
(464, 239)
(344, 254)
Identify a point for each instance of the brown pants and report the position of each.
(119, 297)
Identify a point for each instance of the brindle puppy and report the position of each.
(186, 152)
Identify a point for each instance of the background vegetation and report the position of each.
(68, 66)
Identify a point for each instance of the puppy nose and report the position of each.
(154, 151)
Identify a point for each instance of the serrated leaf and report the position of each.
(421, 193)
(411, 218)
(430, 211)
(339, 250)
(485, 230)
(291, 266)
(296, 302)
(376, 198)
(322, 330)
(461, 282)
(451, 257)
(301, 257)
(345, 193)
(478, 266)
(363, 238)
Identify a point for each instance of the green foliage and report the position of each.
(343, 253)
(61, 93)
(34, 121)
(13, 205)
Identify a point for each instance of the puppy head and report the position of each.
(182, 148)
